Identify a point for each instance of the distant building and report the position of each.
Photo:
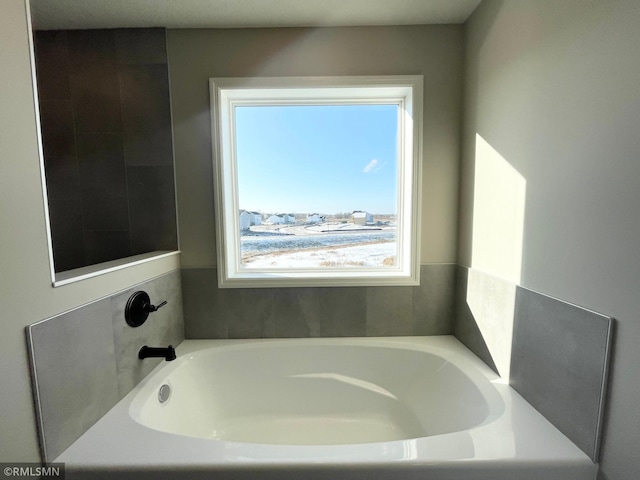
(275, 219)
(249, 218)
(256, 218)
(289, 217)
(314, 218)
(361, 218)
(245, 220)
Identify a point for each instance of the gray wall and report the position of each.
(552, 87)
(26, 294)
(196, 55)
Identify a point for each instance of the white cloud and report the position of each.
(371, 166)
(374, 166)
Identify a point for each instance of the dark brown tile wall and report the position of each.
(103, 181)
(151, 188)
(145, 122)
(106, 127)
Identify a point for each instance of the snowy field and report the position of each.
(363, 255)
(317, 246)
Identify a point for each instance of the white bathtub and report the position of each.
(414, 407)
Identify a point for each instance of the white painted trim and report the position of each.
(78, 274)
(405, 91)
(43, 181)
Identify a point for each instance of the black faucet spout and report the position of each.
(168, 353)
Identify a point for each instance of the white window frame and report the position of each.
(405, 91)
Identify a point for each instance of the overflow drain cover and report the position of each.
(164, 393)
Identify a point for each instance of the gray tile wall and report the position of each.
(559, 358)
(85, 360)
(108, 145)
(211, 312)
(559, 362)
(465, 325)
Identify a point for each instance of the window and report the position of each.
(317, 180)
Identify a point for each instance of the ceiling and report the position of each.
(73, 14)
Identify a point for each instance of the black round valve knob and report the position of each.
(139, 307)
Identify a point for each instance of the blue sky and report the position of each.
(317, 159)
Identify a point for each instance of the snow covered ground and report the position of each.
(364, 255)
(343, 227)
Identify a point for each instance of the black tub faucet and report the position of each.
(168, 353)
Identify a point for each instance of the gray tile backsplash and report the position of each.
(559, 363)
(341, 312)
(297, 311)
(85, 360)
(468, 324)
(558, 352)
(211, 312)
(433, 300)
(202, 317)
(162, 328)
(389, 311)
(74, 362)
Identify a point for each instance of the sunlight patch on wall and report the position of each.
(498, 214)
(498, 224)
